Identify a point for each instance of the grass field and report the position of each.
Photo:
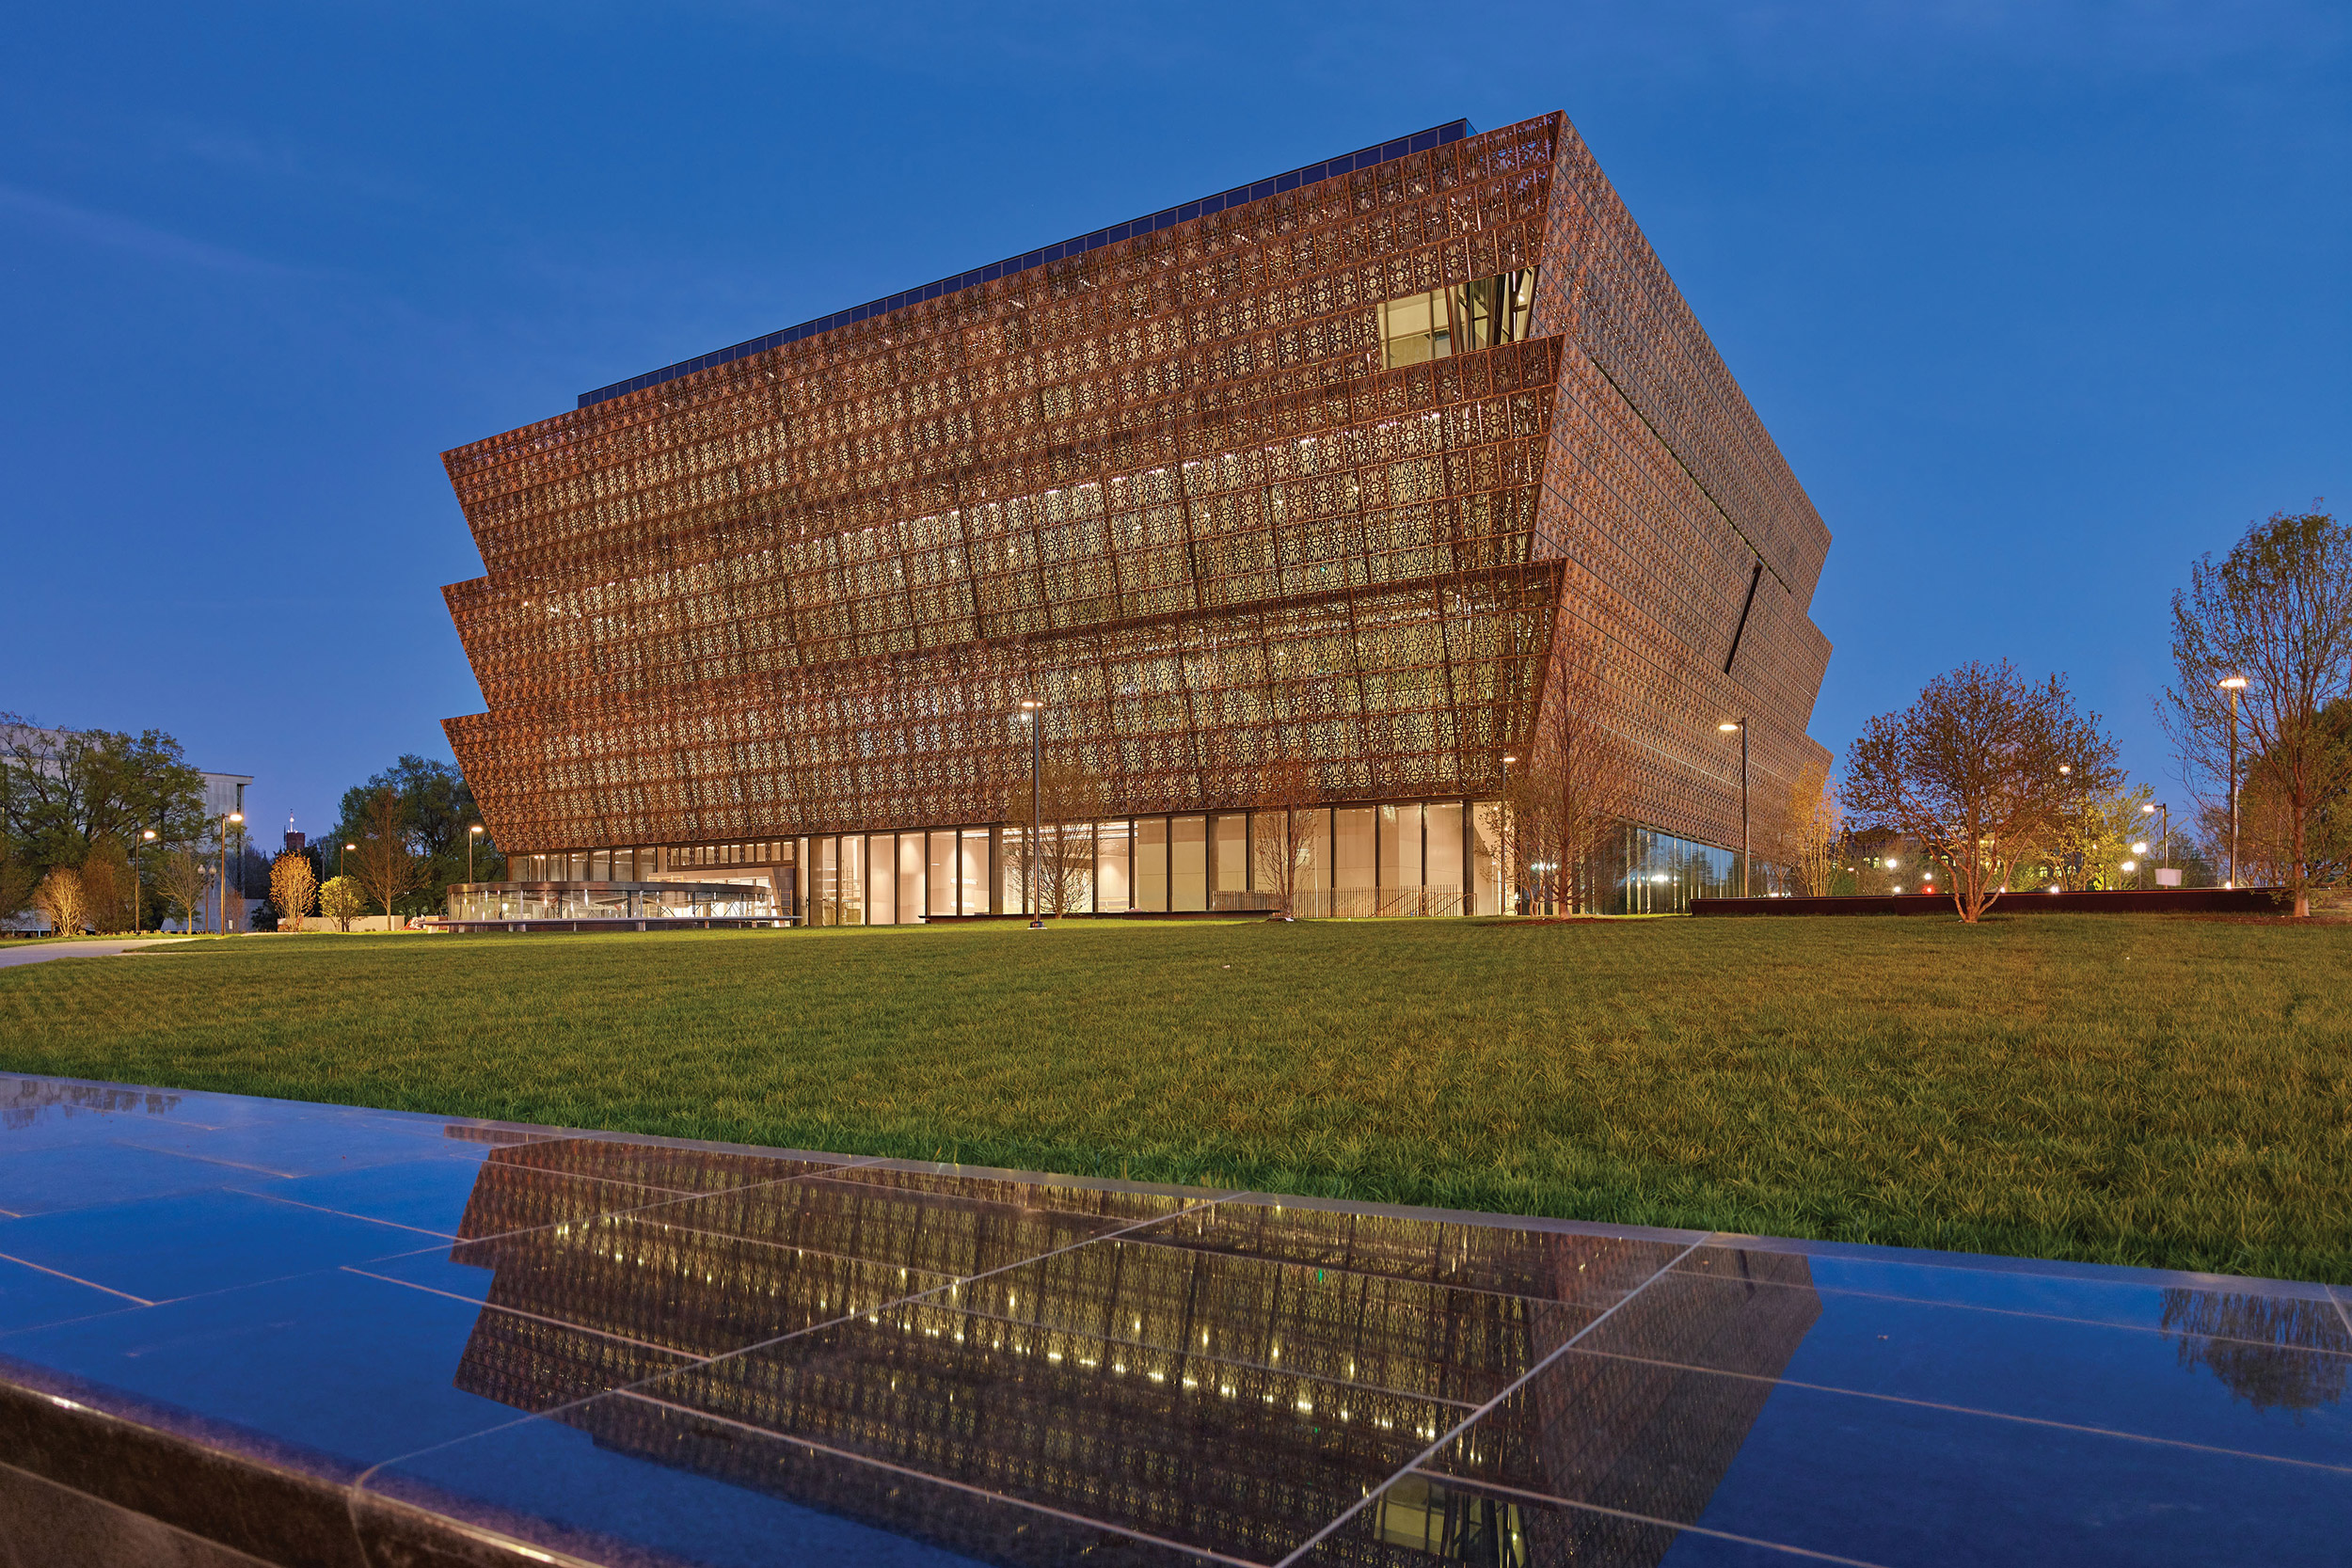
(2158, 1091)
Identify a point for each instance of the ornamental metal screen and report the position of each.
(1321, 474)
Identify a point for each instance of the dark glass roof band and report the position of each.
(1346, 163)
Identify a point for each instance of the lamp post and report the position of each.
(1511, 892)
(147, 835)
(471, 834)
(2164, 837)
(1034, 712)
(339, 858)
(1745, 857)
(2233, 685)
(220, 891)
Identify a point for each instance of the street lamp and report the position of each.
(2233, 685)
(1033, 712)
(339, 857)
(471, 834)
(1741, 725)
(2164, 837)
(147, 835)
(1510, 883)
(220, 892)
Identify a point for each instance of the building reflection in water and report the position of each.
(24, 1102)
(1232, 1378)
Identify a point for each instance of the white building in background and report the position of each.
(225, 793)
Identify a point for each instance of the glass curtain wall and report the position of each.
(1229, 854)
(1355, 863)
(1441, 851)
(910, 905)
(1150, 847)
(972, 871)
(1113, 885)
(1413, 858)
(852, 903)
(941, 874)
(1188, 863)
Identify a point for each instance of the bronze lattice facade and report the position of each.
(1321, 467)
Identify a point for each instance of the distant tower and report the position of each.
(294, 840)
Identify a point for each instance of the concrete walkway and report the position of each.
(33, 953)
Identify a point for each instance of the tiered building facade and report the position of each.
(1328, 468)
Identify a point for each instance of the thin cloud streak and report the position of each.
(112, 231)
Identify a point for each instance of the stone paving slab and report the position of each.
(324, 1334)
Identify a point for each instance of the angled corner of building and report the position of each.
(1328, 466)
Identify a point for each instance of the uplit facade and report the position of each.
(1324, 469)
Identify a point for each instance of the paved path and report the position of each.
(33, 953)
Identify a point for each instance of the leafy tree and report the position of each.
(18, 879)
(437, 810)
(2276, 614)
(62, 791)
(1981, 770)
(342, 900)
(2092, 839)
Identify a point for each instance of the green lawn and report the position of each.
(2158, 1091)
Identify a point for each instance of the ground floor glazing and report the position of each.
(1403, 858)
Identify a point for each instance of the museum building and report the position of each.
(1337, 477)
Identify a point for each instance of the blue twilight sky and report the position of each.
(2040, 300)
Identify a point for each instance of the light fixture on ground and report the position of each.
(2232, 684)
(1741, 725)
(1034, 712)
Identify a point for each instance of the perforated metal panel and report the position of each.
(1167, 487)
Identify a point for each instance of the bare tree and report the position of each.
(1285, 831)
(1979, 770)
(1071, 798)
(61, 899)
(106, 887)
(188, 875)
(341, 901)
(387, 869)
(2277, 615)
(293, 887)
(1571, 796)
(1811, 831)
(2267, 820)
